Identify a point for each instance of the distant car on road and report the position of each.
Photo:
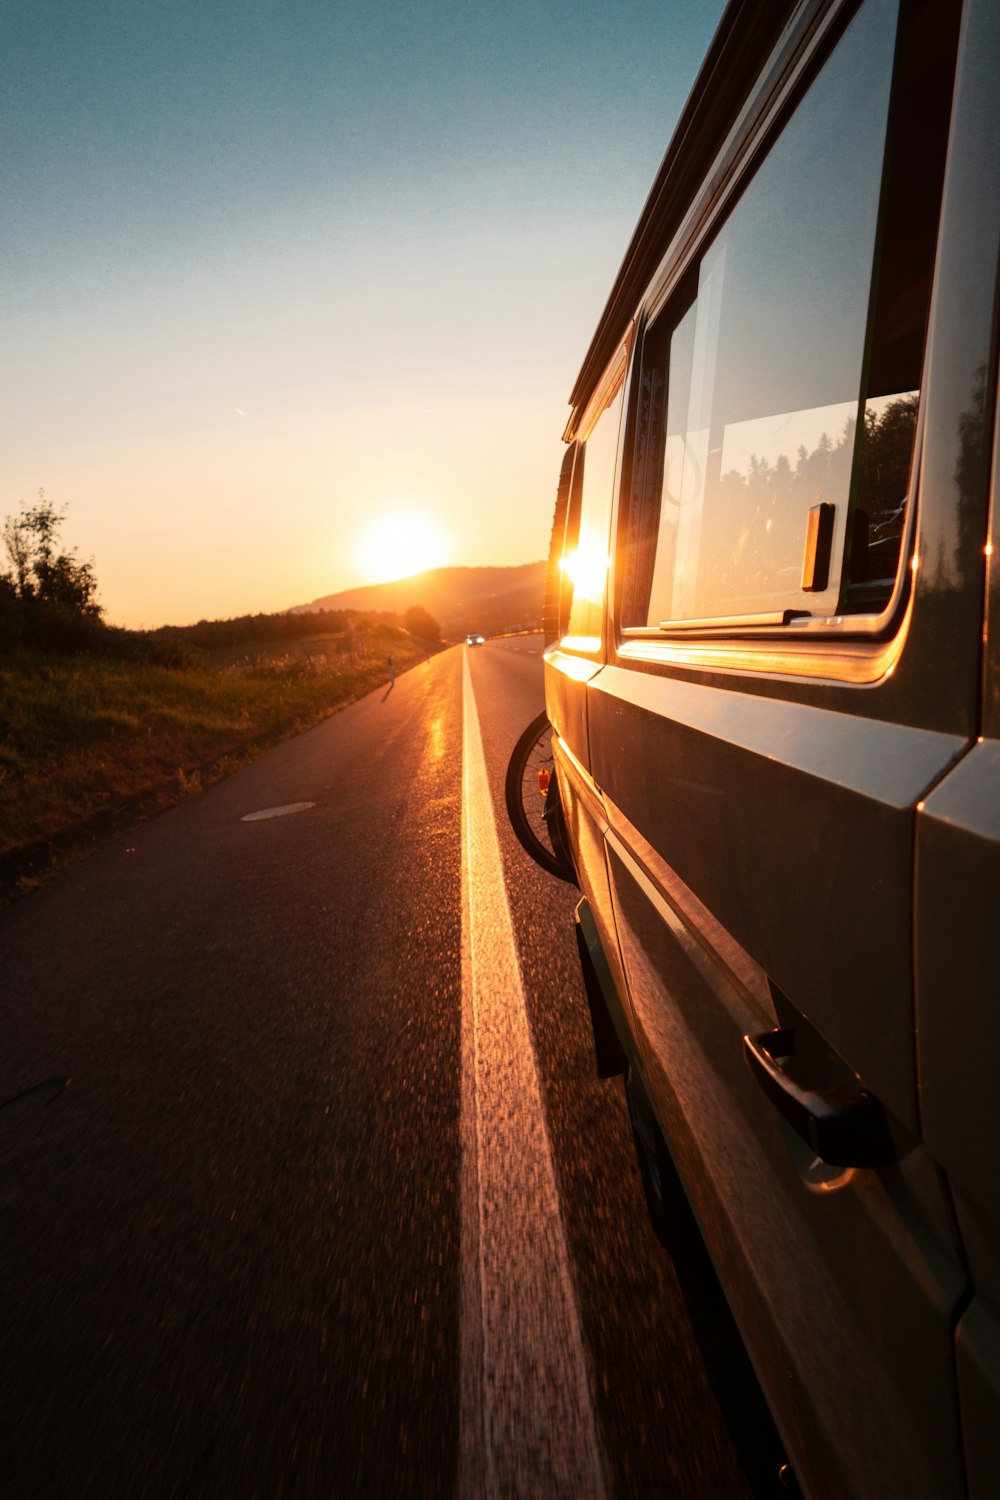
(472, 639)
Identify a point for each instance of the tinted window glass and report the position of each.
(587, 564)
(918, 135)
(762, 374)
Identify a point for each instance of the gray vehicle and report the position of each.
(773, 685)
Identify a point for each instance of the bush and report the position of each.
(47, 597)
(421, 624)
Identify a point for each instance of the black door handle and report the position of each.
(845, 1127)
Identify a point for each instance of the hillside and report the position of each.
(460, 599)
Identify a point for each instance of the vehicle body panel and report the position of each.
(761, 808)
(824, 1271)
(799, 830)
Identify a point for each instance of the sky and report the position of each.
(282, 277)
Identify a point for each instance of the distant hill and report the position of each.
(460, 599)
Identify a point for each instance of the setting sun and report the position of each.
(399, 545)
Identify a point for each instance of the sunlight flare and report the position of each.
(398, 545)
(587, 566)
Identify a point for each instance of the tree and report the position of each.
(421, 624)
(42, 575)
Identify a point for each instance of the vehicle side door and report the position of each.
(958, 874)
(796, 663)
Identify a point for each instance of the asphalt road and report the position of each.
(232, 1245)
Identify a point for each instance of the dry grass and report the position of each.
(82, 736)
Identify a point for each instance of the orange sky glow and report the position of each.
(276, 275)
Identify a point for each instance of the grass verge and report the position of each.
(91, 743)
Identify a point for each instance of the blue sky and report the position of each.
(275, 271)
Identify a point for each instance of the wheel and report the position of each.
(533, 800)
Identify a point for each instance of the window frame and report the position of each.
(615, 377)
(860, 647)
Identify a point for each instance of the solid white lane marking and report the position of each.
(527, 1419)
(276, 812)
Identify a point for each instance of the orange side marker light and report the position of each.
(543, 781)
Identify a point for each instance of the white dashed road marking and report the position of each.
(276, 812)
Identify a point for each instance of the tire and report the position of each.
(537, 822)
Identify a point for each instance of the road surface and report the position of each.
(333, 1202)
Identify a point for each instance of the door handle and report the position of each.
(845, 1127)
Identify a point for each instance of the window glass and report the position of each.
(749, 394)
(586, 566)
(890, 424)
(918, 137)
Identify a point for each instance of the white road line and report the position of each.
(527, 1424)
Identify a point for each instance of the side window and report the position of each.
(551, 605)
(777, 397)
(658, 452)
(585, 563)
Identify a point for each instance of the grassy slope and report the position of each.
(82, 735)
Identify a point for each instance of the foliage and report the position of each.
(421, 624)
(760, 506)
(47, 595)
(883, 476)
(885, 455)
(247, 629)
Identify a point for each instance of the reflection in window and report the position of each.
(880, 511)
(918, 141)
(672, 461)
(586, 565)
(762, 372)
